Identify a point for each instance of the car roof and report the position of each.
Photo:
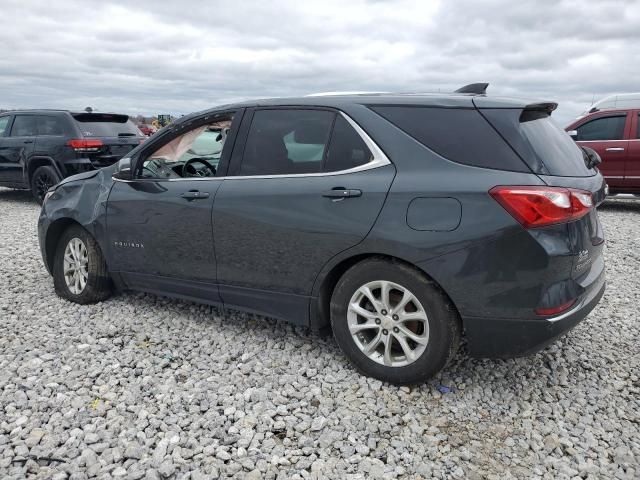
(56, 110)
(341, 100)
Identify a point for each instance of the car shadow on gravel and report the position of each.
(620, 205)
(504, 374)
(23, 196)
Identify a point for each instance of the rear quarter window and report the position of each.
(458, 134)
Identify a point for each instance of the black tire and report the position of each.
(443, 321)
(42, 180)
(98, 284)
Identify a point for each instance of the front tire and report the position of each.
(42, 180)
(393, 323)
(79, 270)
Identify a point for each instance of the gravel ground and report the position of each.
(146, 387)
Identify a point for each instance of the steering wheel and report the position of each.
(189, 171)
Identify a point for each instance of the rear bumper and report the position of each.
(505, 338)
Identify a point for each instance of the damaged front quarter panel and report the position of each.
(78, 199)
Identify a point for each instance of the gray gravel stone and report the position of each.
(159, 388)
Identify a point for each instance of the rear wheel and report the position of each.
(42, 180)
(79, 270)
(393, 323)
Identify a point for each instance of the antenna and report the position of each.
(475, 88)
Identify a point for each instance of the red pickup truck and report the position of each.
(615, 135)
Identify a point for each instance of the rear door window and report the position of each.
(461, 135)
(48, 126)
(604, 128)
(347, 149)
(24, 126)
(106, 125)
(284, 142)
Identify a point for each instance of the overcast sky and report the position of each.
(178, 56)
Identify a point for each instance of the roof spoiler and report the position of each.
(474, 88)
(542, 107)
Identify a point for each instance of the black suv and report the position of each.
(400, 220)
(38, 148)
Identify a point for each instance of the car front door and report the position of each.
(632, 171)
(606, 134)
(159, 225)
(307, 185)
(17, 148)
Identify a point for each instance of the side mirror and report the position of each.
(591, 157)
(123, 169)
(573, 134)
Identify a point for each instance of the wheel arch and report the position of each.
(319, 311)
(54, 232)
(41, 161)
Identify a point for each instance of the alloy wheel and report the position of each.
(43, 183)
(76, 266)
(388, 323)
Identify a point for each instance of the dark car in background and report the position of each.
(38, 148)
(401, 221)
(614, 133)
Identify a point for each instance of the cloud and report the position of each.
(179, 56)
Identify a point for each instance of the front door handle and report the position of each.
(195, 195)
(342, 193)
(614, 149)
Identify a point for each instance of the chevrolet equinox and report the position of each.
(400, 221)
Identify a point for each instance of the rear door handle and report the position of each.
(194, 195)
(28, 141)
(342, 193)
(614, 149)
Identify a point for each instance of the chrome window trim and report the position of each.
(379, 160)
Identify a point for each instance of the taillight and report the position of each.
(555, 310)
(541, 206)
(85, 145)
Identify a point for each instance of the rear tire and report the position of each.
(79, 269)
(421, 336)
(42, 180)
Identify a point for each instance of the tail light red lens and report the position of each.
(541, 206)
(555, 310)
(85, 145)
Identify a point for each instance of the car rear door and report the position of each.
(632, 168)
(17, 148)
(304, 185)
(607, 134)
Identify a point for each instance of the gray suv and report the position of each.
(400, 221)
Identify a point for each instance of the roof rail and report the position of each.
(474, 88)
(355, 92)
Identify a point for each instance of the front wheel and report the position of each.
(393, 323)
(79, 270)
(42, 180)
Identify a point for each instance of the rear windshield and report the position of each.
(458, 134)
(540, 142)
(106, 125)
